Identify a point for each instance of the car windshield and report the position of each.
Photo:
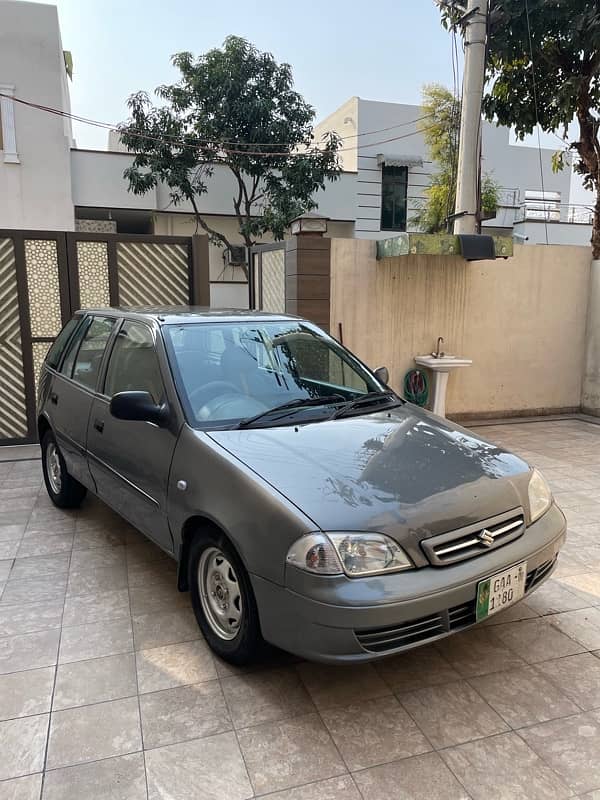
(228, 373)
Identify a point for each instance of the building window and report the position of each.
(394, 187)
(8, 140)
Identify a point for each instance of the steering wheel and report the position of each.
(200, 396)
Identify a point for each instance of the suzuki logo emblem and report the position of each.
(486, 538)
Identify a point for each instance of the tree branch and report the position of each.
(216, 234)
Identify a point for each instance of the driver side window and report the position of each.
(133, 365)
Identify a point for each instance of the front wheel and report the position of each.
(223, 601)
(63, 490)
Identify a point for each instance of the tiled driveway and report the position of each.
(107, 689)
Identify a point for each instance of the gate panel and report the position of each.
(13, 405)
(153, 274)
(93, 275)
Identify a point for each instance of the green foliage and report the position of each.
(234, 106)
(565, 41)
(441, 128)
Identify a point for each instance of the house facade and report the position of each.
(46, 182)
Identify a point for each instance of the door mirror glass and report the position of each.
(138, 406)
(382, 374)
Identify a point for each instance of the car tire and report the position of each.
(223, 600)
(63, 490)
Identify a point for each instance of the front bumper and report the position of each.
(339, 619)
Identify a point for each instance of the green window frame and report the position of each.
(394, 196)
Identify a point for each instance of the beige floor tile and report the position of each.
(25, 788)
(587, 583)
(30, 617)
(156, 598)
(537, 640)
(423, 777)
(340, 788)
(91, 538)
(97, 558)
(187, 712)
(374, 732)
(174, 665)
(553, 597)
(151, 572)
(29, 651)
(45, 545)
(571, 746)
(452, 714)
(96, 580)
(582, 626)
(280, 755)
(423, 666)
(9, 549)
(477, 652)
(523, 696)
(265, 696)
(34, 590)
(102, 607)
(505, 768)
(5, 569)
(90, 733)
(23, 694)
(94, 681)
(120, 778)
(578, 677)
(22, 745)
(170, 627)
(95, 640)
(11, 533)
(44, 528)
(204, 768)
(331, 686)
(40, 565)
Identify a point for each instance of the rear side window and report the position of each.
(58, 347)
(89, 356)
(73, 347)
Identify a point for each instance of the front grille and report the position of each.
(473, 540)
(415, 631)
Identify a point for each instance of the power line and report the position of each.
(537, 119)
(193, 143)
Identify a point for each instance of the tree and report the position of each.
(441, 128)
(543, 65)
(237, 107)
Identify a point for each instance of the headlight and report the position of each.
(356, 554)
(540, 496)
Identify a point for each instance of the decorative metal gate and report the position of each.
(268, 278)
(46, 275)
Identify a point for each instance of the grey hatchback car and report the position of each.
(307, 504)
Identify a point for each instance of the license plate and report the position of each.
(500, 591)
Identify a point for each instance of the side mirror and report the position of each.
(138, 406)
(382, 374)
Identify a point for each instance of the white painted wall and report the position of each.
(558, 232)
(35, 193)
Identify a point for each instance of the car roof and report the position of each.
(177, 315)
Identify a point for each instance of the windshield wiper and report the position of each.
(365, 400)
(299, 402)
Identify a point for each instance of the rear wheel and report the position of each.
(223, 600)
(63, 490)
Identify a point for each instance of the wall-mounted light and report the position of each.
(309, 224)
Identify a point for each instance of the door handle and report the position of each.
(99, 425)
(54, 398)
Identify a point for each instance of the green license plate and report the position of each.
(500, 591)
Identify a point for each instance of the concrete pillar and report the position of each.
(590, 392)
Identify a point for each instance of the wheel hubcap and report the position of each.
(53, 468)
(220, 593)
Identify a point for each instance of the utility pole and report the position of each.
(467, 189)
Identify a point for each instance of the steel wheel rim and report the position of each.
(53, 468)
(220, 593)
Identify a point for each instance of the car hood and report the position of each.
(404, 472)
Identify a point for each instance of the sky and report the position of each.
(385, 50)
(380, 50)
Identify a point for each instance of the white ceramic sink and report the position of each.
(443, 363)
(441, 368)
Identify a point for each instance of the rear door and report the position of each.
(130, 460)
(72, 390)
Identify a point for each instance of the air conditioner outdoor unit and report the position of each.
(235, 255)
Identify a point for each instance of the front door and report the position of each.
(130, 460)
